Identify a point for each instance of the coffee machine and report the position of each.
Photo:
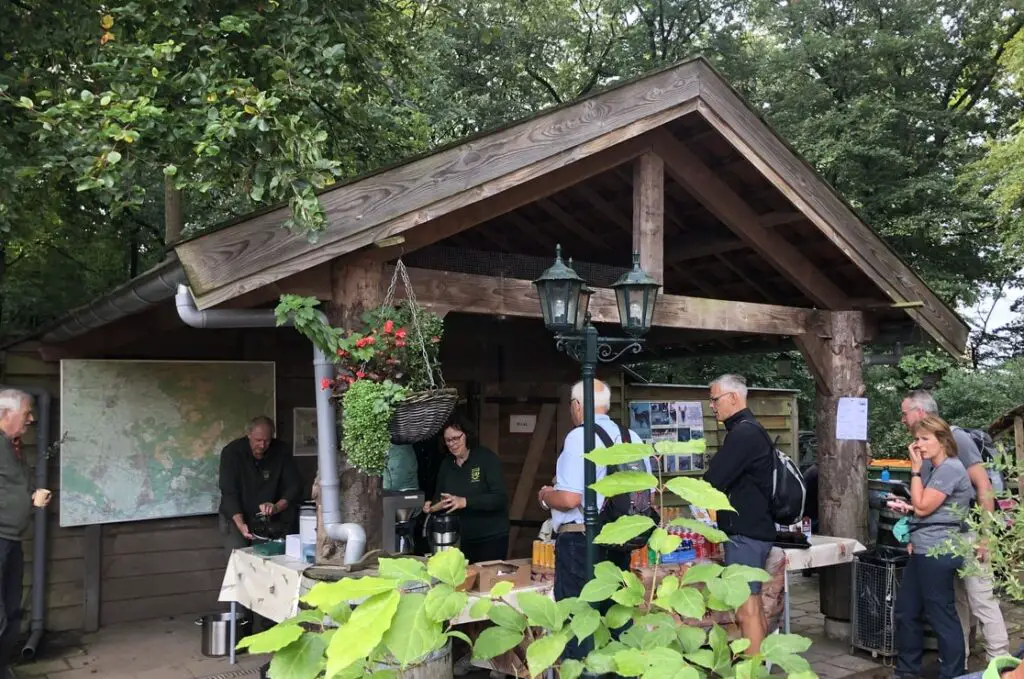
(401, 507)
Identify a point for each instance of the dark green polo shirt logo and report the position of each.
(474, 474)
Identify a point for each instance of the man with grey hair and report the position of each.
(742, 469)
(15, 511)
(975, 594)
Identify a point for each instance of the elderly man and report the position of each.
(258, 478)
(742, 469)
(15, 512)
(565, 499)
(976, 596)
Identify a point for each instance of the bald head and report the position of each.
(602, 401)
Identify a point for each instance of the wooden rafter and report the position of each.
(649, 214)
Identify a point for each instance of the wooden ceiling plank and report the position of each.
(693, 175)
(569, 222)
(468, 293)
(746, 279)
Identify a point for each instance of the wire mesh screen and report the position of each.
(506, 265)
(876, 582)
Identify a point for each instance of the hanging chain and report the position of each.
(402, 273)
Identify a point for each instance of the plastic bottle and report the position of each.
(886, 475)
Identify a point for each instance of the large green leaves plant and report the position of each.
(405, 613)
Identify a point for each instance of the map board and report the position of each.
(142, 439)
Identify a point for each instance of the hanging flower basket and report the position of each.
(420, 415)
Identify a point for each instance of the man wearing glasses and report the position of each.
(18, 499)
(742, 469)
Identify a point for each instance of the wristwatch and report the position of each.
(913, 474)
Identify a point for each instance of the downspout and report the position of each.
(351, 534)
(44, 404)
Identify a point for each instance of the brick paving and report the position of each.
(169, 649)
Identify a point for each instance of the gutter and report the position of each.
(351, 534)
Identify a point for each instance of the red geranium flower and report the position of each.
(400, 334)
(325, 383)
(389, 325)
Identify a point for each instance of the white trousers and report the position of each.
(975, 596)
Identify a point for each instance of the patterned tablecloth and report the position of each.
(267, 585)
(825, 551)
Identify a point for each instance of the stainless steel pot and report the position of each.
(443, 532)
(217, 634)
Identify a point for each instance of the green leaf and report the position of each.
(326, 595)
(701, 572)
(676, 671)
(500, 589)
(621, 483)
(170, 170)
(384, 674)
(608, 571)
(739, 646)
(712, 534)
(663, 543)
(274, 639)
(113, 157)
(691, 447)
(618, 615)
(302, 659)
(668, 584)
(690, 637)
(688, 602)
(700, 493)
(746, 574)
(365, 629)
(623, 529)
(630, 663)
(704, 657)
(86, 96)
(659, 654)
(494, 641)
(449, 567)
(584, 623)
(444, 603)
(792, 663)
(719, 641)
(403, 570)
(633, 593)
(480, 608)
(733, 593)
(781, 644)
(602, 636)
(411, 634)
(570, 669)
(25, 102)
(620, 453)
(996, 668)
(542, 653)
(312, 617)
(540, 611)
(506, 616)
(599, 662)
(597, 591)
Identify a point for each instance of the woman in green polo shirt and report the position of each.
(471, 483)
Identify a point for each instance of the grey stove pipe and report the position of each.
(351, 534)
(37, 625)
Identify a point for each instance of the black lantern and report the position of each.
(559, 291)
(583, 311)
(636, 294)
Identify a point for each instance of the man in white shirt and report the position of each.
(565, 499)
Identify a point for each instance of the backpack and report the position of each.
(989, 455)
(629, 504)
(789, 492)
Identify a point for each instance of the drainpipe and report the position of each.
(351, 534)
(44, 404)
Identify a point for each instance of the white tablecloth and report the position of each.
(267, 585)
(824, 551)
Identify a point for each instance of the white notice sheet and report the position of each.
(852, 419)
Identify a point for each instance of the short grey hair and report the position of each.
(736, 384)
(923, 401)
(14, 400)
(260, 421)
(602, 395)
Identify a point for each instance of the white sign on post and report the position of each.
(522, 424)
(852, 419)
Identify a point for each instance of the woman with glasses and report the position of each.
(471, 483)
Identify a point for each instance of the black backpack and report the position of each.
(789, 493)
(629, 504)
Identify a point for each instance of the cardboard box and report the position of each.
(517, 571)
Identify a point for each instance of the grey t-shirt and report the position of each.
(949, 478)
(966, 452)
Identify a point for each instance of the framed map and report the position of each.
(304, 433)
(143, 438)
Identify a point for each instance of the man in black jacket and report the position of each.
(16, 500)
(742, 469)
(258, 478)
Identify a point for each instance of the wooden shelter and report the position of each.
(1011, 423)
(754, 250)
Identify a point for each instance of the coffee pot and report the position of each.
(442, 530)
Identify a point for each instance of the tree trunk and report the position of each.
(842, 465)
(357, 287)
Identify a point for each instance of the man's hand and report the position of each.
(41, 497)
(268, 509)
(451, 503)
(244, 530)
(981, 551)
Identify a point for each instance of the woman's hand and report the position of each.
(450, 503)
(426, 507)
(915, 458)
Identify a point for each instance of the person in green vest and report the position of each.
(402, 472)
(471, 483)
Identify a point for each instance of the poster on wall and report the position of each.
(681, 422)
(304, 432)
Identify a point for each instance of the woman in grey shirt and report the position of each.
(937, 502)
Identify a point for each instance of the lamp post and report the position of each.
(565, 302)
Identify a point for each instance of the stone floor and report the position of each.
(169, 649)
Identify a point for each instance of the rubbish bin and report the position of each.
(876, 581)
(216, 629)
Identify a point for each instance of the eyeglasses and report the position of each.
(714, 399)
(454, 439)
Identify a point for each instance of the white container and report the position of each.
(293, 547)
(307, 533)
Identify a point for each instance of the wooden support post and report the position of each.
(528, 474)
(93, 576)
(842, 465)
(1018, 444)
(649, 214)
(356, 287)
(174, 220)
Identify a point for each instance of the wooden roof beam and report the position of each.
(489, 295)
(693, 175)
(649, 214)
